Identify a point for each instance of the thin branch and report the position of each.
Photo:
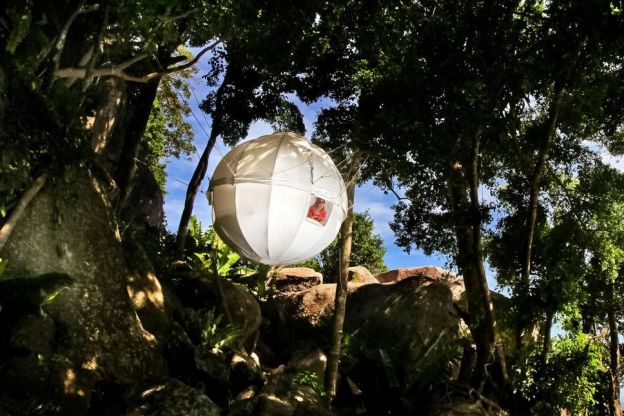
(59, 45)
(400, 198)
(8, 227)
(132, 61)
(118, 70)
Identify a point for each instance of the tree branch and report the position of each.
(8, 227)
(119, 70)
(400, 198)
(59, 43)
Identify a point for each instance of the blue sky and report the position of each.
(367, 197)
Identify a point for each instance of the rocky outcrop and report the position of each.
(431, 272)
(69, 228)
(296, 279)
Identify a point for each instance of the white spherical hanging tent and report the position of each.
(277, 199)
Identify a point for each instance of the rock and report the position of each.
(313, 306)
(360, 274)
(69, 227)
(296, 279)
(284, 394)
(271, 405)
(244, 372)
(243, 407)
(300, 390)
(412, 321)
(314, 362)
(174, 398)
(212, 362)
(432, 272)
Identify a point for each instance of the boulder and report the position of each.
(174, 398)
(412, 321)
(313, 306)
(360, 274)
(431, 272)
(70, 228)
(245, 371)
(314, 362)
(296, 279)
(212, 362)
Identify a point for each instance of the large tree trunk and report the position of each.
(141, 108)
(470, 261)
(615, 406)
(346, 237)
(191, 192)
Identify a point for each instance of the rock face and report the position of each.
(402, 336)
(431, 272)
(68, 228)
(296, 279)
(405, 319)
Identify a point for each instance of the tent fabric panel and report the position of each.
(252, 206)
(226, 221)
(288, 209)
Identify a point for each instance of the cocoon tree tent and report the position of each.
(264, 192)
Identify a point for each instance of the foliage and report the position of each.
(310, 379)
(551, 390)
(211, 254)
(367, 249)
(167, 133)
(215, 334)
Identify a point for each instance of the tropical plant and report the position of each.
(217, 334)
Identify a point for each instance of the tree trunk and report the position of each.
(346, 236)
(615, 406)
(546, 340)
(126, 168)
(466, 210)
(191, 192)
(481, 321)
(534, 188)
(200, 172)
